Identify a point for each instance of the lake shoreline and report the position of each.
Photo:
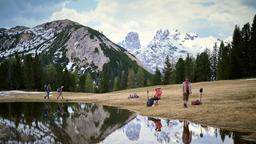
(229, 104)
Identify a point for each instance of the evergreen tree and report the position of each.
(148, 82)
(180, 71)
(28, 72)
(123, 80)
(131, 79)
(167, 71)
(82, 79)
(220, 65)
(226, 61)
(38, 73)
(203, 70)
(19, 73)
(88, 83)
(214, 62)
(235, 64)
(103, 86)
(189, 68)
(246, 36)
(157, 79)
(140, 77)
(74, 81)
(116, 84)
(4, 74)
(252, 50)
(66, 79)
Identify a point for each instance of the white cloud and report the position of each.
(117, 18)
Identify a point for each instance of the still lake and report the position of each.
(38, 122)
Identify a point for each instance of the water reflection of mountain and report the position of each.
(132, 130)
(173, 131)
(59, 123)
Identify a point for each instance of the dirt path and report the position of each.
(227, 104)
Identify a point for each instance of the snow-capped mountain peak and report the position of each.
(161, 34)
(172, 43)
(131, 41)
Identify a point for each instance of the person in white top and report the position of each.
(186, 88)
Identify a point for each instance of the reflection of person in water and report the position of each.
(158, 124)
(60, 109)
(46, 110)
(186, 135)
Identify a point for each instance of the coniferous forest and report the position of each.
(233, 60)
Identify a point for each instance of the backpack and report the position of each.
(58, 90)
(150, 102)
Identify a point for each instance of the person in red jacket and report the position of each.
(158, 93)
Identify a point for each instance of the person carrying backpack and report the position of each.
(59, 91)
(186, 88)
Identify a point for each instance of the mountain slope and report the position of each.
(69, 44)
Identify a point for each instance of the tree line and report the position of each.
(227, 61)
(30, 73)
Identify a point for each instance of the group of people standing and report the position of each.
(47, 89)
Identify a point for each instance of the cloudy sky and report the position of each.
(118, 17)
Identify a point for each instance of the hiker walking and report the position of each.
(59, 91)
(48, 90)
(186, 88)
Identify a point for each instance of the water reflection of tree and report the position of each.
(236, 136)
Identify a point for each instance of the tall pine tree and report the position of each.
(246, 36)
(180, 71)
(157, 79)
(203, 70)
(235, 57)
(131, 79)
(214, 57)
(140, 77)
(167, 71)
(189, 68)
(88, 83)
(116, 84)
(252, 50)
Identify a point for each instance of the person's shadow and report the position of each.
(186, 135)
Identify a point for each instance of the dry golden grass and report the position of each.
(227, 104)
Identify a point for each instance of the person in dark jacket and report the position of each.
(48, 90)
(59, 91)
